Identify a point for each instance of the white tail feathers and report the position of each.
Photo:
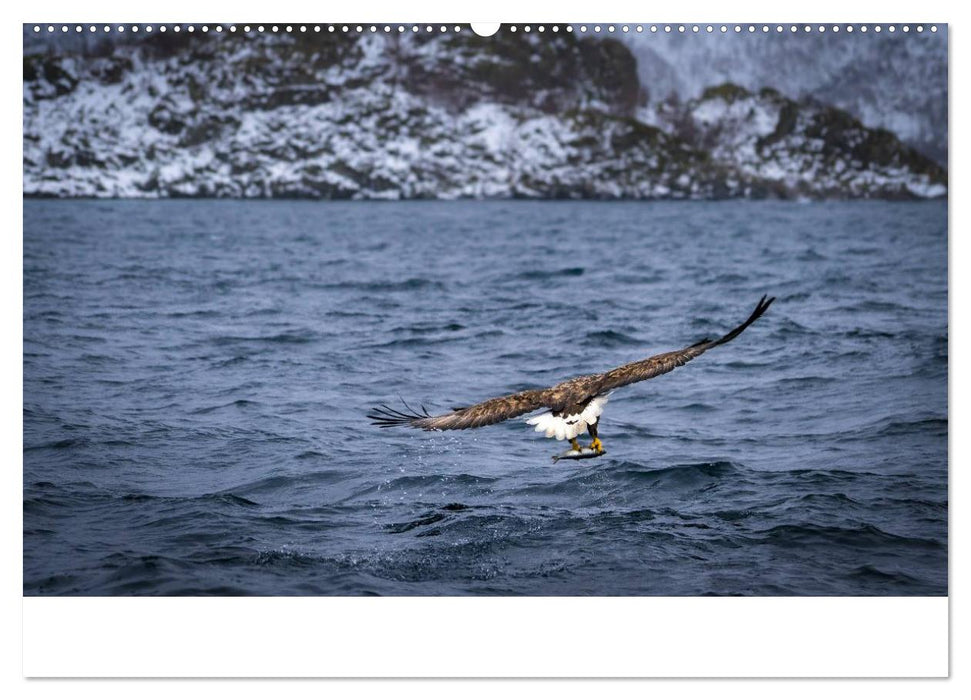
(568, 427)
(559, 427)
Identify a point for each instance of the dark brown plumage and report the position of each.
(562, 398)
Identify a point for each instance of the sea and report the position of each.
(197, 376)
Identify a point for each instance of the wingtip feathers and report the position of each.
(386, 417)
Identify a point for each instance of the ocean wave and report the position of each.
(289, 482)
(238, 403)
(625, 475)
(427, 481)
(869, 572)
(550, 274)
(862, 536)
(297, 337)
(682, 473)
(429, 328)
(408, 285)
(610, 339)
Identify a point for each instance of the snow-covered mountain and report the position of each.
(896, 81)
(425, 116)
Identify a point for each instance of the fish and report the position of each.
(584, 453)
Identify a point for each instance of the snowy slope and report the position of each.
(896, 81)
(416, 116)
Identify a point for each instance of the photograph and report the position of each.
(409, 310)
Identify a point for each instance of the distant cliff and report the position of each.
(427, 116)
(894, 80)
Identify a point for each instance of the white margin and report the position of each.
(477, 637)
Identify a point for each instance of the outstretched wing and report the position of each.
(665, 362)
(575, 391)
(484, 413)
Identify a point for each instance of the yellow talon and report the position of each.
(574, 444)
(596, 445)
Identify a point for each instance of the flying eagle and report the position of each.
(574, 406)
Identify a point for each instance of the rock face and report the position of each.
(894, 80)
(427, 116)
(786, 148)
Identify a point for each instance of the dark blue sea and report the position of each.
(197, 375)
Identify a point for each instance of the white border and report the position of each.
(226, 635)
(508, 11)
(465, 637)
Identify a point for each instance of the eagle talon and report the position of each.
(575, 445)
(596, 445)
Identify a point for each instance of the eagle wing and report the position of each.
(667, 361)
(484, 413)
(573, 392)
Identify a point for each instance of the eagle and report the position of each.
(572, 407)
